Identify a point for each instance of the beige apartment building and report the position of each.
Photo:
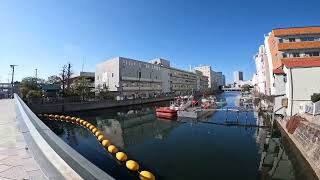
(215, 79)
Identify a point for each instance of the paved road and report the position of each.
(16, 162)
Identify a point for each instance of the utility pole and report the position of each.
(68, 75)
(63, 78)
(36, 76)
(12, 91)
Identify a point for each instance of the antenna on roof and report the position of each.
(82, 63)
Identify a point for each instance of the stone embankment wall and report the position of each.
(82, 106)
(306, 136)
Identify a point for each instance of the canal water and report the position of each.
(187, 149)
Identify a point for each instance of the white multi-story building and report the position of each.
(293, 56)
(238, 76)
(132, 78)
(262, 81)
(215, 79)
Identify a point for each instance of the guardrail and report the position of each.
(57, 159)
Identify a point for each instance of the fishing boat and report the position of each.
(195, 113)
(180, 103)
(166, 112)
(205, 108)
(208, 102)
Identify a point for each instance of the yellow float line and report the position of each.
(120, 156)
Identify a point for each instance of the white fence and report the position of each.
(313, 108)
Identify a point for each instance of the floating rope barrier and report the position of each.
(112, 149)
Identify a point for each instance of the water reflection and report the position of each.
(191, 150)
(135, 127)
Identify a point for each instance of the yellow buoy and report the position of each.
(81, 121)
(91, 127)
(121, 156)
(105, 143)
(100, 137)
(84, 123)
(57, 117)
(51, 116)
(88, 125)
(97, 133)
(78, 120)
(73, 119)
(62, 117)
(146, 175)
(45, 115)
(112, 149)
(68, 118)
(39, 115)
(94, 130)
(132, 165)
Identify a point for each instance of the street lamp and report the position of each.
(12, 66)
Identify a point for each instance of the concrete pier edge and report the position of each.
(300, 148)
(56, 159)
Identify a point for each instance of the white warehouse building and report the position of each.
(132, 78)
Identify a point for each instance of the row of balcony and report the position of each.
(299, 45)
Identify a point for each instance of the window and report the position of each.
(295, 54)
(307, 39)
(285, 79)
(111, 74)
(280, 40)
(310, 54)
(284, 55)
(292, 40)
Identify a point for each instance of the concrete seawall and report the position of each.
(82, 106)
(306, 141)
(55, 158)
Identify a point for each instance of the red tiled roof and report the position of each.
(278, 71)
(301, 63)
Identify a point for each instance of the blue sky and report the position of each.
(45, 34)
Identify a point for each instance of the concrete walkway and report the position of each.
(16, 162)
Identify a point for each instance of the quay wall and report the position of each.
(56, 159)
(82, 106)
(306, 138)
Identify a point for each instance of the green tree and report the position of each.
(315, 97)
(245, 87)
(33, 94)
(28, 84)
(54, 80)
(82, 87)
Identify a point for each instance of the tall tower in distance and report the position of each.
(238, 76)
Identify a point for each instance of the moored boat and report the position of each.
(166, 112)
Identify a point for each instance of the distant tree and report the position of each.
(28, 84)
(33, 94)
(104, 93)
(68, 75)
(82, 87)
(245, 87)
(63, 78)
(315, 97)
(54, 80)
